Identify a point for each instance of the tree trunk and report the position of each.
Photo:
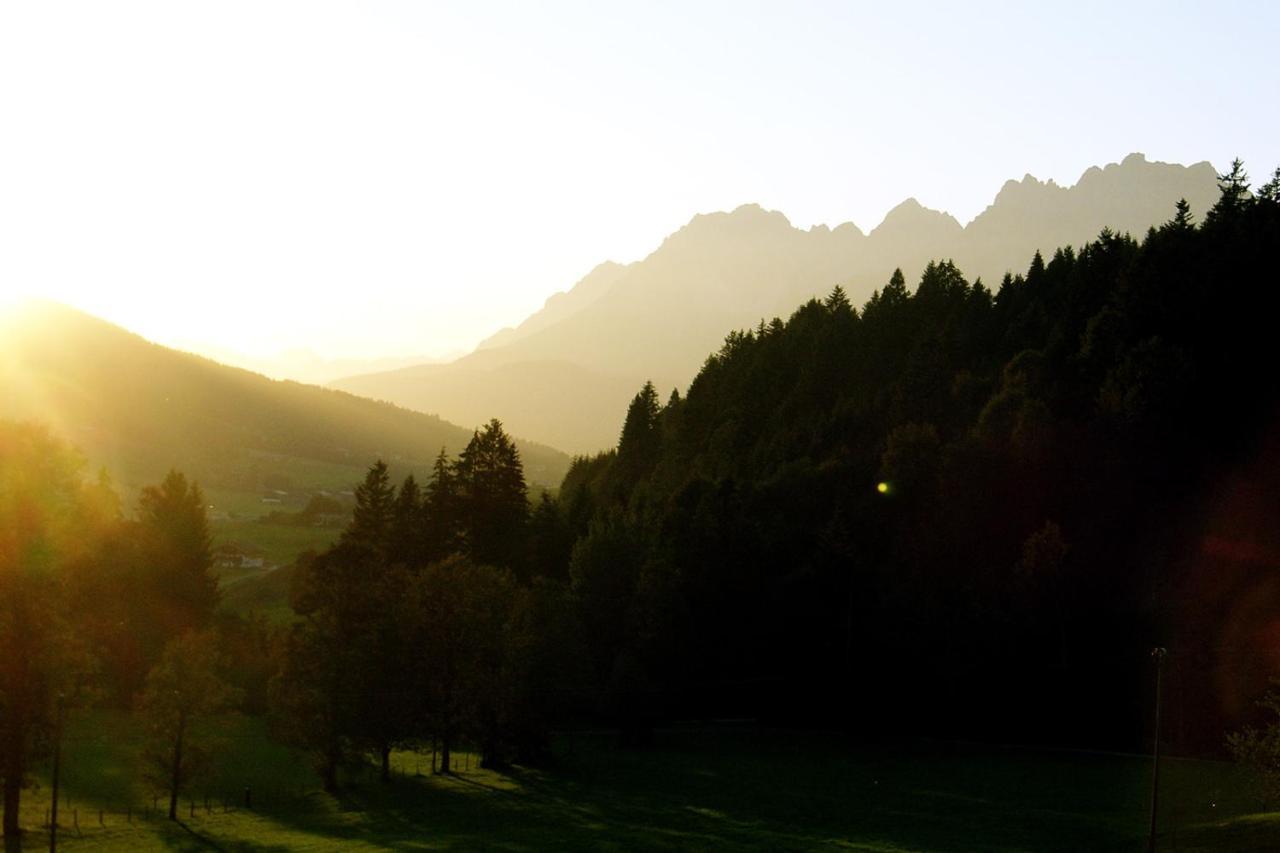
(444, 753)
(14, 773)
(12, 832)
(329, 769)
(386, 763)
(57, 769)
(175, 778)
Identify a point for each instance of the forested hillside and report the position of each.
(960, 508)
(141, 409)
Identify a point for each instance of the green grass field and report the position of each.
(266, 592)
(280, 543)
(704, 789)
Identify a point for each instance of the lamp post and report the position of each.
(1158, 654)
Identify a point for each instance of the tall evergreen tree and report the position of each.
(1182, 219)
(641, 439)
(495, 506)
(1270, 191)
(173, 514)
(1233, 188)
(442, 510)
(837, 302)
(550, 542)
(372, 518)
(407, 534)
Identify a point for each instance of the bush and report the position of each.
(1259, 749)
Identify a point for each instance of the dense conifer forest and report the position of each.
(959, 509)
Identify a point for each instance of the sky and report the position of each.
(381, 179)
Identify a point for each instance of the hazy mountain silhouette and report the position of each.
(140, 409)
(560, 305)
(305, 365)
(564, 375)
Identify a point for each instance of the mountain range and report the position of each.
(564, 375)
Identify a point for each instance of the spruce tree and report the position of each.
(837, 303)
(490, 478)
(638, 444)
(1233, 187)
(370, 528)
(407, 545)
(1182, 219)
(442, 509)
(174, 520)
(1270, 191)
(895, 292)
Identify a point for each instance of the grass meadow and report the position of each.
(702, 789)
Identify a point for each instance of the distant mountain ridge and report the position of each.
(560, 305)
(564, 375)
(139, 409)
(308, 367)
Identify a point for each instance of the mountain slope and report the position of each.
(140, 409)
(657, 318)
(591, 287)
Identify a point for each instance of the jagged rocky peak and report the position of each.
(741, 217)
(912, 214)
(1028, 190)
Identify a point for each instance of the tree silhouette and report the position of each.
(492, 492)
(46, 522)
(173, 514)
(182, 689)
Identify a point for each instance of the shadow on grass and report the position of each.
(759, 790)
(749, 789)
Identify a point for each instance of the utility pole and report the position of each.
(1158, 654)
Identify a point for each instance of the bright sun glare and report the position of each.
(9, 301)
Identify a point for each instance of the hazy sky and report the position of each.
(407, 177)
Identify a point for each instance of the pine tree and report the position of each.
(1182, 219)
(550, 541)
(442, 509)
(895, 292)
(495, 507)
(1035, 272)
(1270, 191)
(1233, 187)
(173, 515)
(641, 441)
(370, 529)
(837, 303)
(407, 536)
(336, 691)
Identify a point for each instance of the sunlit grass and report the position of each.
(280, 544)
(696, 789)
